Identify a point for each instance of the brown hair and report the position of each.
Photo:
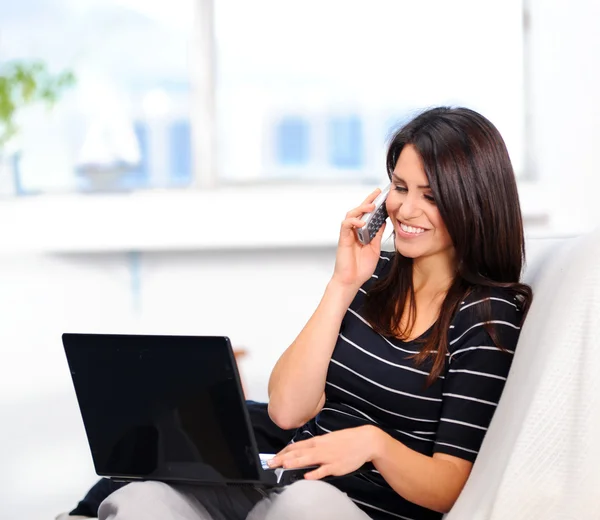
(473, 183)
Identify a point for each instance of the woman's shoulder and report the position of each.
(487, 305)
(385, 260)
(498, 300)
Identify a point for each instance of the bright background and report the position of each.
(249, 129)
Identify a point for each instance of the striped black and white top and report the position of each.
(373, 380)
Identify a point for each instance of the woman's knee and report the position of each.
(312, 491)
(313, 500)
(150, 500)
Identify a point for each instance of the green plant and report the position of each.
(24, 83)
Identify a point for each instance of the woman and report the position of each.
(394, 380)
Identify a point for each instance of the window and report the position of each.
(180, 146)
(126, 123)
(303, 91)
(292, 141)
(345, 142)
(320, 84)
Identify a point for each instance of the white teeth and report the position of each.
(410, 229)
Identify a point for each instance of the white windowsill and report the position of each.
(279, 216)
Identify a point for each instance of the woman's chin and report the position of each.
(407, 250)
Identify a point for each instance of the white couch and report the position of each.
(541, 456)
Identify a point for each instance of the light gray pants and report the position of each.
(303, 500)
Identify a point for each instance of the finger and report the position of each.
(348, 231)
(299, 445)
(275, 462)
(319, 473)
(351, 223)
(285, 450)
(299, 462)
(278, 459)
(282, 459)
(372, 196)
(361, 210)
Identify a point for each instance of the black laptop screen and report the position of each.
(162, 407)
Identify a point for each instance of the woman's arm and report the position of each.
(297, 383)
(432, 482)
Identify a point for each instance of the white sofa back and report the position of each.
(541, 455)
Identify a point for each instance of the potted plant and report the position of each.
(23, 83)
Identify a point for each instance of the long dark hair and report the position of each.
(473, 183)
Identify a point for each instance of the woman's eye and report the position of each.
(430, 198)
(403, 189)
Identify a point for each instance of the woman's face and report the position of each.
(418, 226)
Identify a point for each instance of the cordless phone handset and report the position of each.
(375, 219)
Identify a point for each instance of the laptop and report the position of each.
(167, 408)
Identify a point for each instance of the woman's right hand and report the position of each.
(355, 263)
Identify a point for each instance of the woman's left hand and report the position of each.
(336, 453)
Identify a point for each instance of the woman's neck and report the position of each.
(433, 274)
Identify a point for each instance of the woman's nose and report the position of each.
(408, 208)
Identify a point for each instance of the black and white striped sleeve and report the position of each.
(381, 269)
(476, 372)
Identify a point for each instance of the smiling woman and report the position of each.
(390, 387)
(453, 180)
(408, 377)
(420, 230)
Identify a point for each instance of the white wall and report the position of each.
(564, 79)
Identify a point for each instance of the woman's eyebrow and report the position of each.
(399, 179)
